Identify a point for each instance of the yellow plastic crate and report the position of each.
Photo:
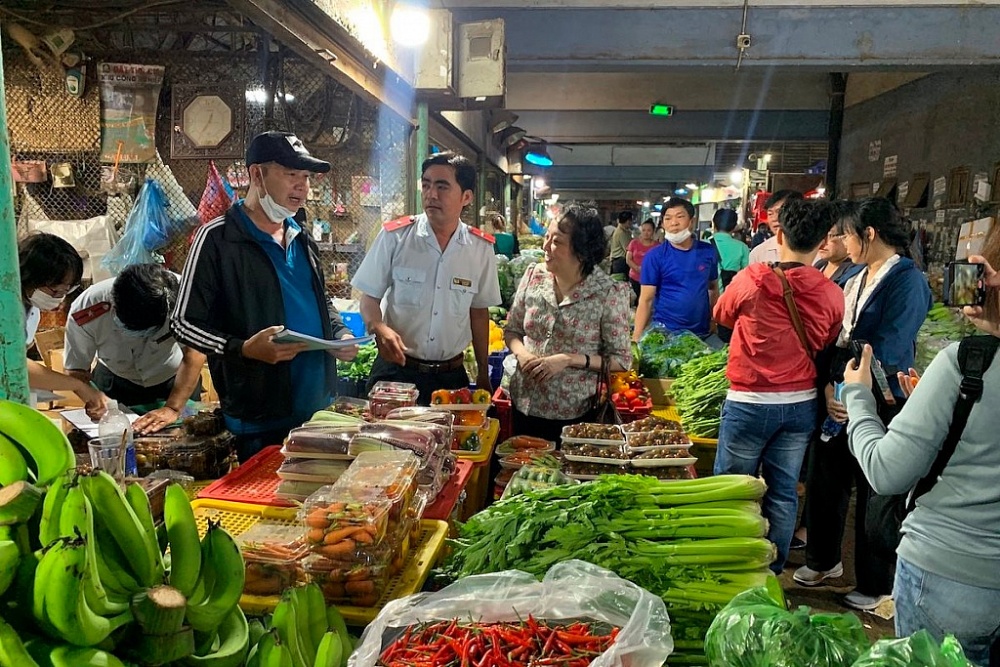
(237, 518)
(670, 412)
(196, 487)
(489, 441)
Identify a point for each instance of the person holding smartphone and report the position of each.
(885, 304)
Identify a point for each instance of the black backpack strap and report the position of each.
(975, 354)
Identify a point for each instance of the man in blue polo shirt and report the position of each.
(679, 279)
(249, 275)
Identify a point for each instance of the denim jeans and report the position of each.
(772, 439)
(943, 606)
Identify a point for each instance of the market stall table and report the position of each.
(479, 482)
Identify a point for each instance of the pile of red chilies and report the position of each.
(527, 644)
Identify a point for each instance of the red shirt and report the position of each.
(765, 354)
(638, 250)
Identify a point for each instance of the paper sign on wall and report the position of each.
(940, 185)
(902, 190)
(889, 166)
(939, 216)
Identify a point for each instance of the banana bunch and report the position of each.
(38, 652)
(304, 633)
(32, 448)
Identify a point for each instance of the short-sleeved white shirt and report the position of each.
(426, 293)
(145, 361)
(32, 318)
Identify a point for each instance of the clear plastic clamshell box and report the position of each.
(390, 476)
(358, 578)
(577, 469)
(524, 443)
(388, 396)
(602, 434)
(273, 554)
(348, 405)
(590, 453)
(642, 441)
(651, 423)
(297, 491)
(421, 438)
(324, 471)
(321, 440)
(339, 521)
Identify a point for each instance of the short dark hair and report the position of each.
(586, 235)
(782, 196)
(143, 295)
(725, 220)
(625, 216)
(844, 210)
(677, 202)
(465, 171)
(881, 215)
(45, 261)
(650, 222)
(805, 223)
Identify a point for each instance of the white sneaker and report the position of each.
(806, 576)
(864, 602)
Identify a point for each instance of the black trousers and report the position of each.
(127, 392)
(832, 470)
(541, 427)
(619, 265)
(426, 382)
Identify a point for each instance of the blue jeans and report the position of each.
(773, 439)
(943, 606)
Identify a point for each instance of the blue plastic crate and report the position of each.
(353, 322)
(496, 366)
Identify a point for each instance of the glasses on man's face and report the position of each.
(59, 291)
(834, 237)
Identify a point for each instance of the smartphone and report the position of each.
(964, 284)
(878, 373)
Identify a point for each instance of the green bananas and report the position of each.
(45, 451)
(307, 633)
(220, 582)
(13, 467)
(70, 656)
(182, 536)
(234, 642)
(270, 652)
(12, 651)
(11, 551)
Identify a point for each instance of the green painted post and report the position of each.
(13, 363)
(420, 152)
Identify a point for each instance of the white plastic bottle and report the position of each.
(115, 422)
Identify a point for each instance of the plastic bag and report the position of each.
(571, 590)
(662, 353)
(753, 630)
(132, 247)
(917, 650)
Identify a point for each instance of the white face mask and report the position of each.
(43, 301)
(274, 211)
(677, 237)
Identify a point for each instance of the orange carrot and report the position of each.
(339, 549)
(335, 536)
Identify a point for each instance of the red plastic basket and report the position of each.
(626, 415)
(254, 482)
(501, 400)
(441, 508)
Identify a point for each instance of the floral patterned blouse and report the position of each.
(593, 319)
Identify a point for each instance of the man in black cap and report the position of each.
(249, 275)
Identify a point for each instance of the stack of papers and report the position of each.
(288, 336)
(79, 419)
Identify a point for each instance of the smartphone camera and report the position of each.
(964, 284)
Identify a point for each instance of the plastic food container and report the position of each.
(522, 443)
(579, 470)
(518, 459)
(321, 440)
(355, 407)
(422, 414)
(273, 554)
(649, 423)
(202, 458)
(469, 438)
(324, 471)
(357, 578)
(645, 440)
(588, 453)
(297, 491)
(659, 457)
(386, 476)
(387, 396)
(534, 478)
(604, 434)
(339, 521)
(667, 473)
(422, 439)
(471, 414)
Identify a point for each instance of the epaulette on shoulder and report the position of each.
(399, 223)
(91, 313)
(486, 236)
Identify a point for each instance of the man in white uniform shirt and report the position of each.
(768, 250)
(427, 282)
(118, 338)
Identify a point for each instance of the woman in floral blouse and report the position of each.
(567, 314)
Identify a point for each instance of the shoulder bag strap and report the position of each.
(793, 310)
(975, 354)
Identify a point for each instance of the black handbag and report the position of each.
(602, 409)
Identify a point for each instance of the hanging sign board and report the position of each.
(129, 96)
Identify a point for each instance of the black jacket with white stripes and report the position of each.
(229, 291)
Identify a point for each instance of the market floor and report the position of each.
(828, 598)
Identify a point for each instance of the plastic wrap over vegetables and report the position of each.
(571, 592)
(917, 650)
(755, 631)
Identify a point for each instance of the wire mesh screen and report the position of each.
(366, 147)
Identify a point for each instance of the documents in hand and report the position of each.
(79, 419)
(288, 336)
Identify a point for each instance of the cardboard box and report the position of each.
(658, 388)
(972, 236)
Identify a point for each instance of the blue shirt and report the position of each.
(291, 264)
(681, 280)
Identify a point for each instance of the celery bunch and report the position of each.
(695, 543)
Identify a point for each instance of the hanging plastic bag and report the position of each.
(157, 227)
(755, 631)
(132, 247)
(917, 650)
(216, 197)
(571, 591)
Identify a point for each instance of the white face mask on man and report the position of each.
(274, 211)
(677, 237)
(44, 301)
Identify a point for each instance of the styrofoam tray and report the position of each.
(312, 479)
(582, 478)
(592, 441)
(458, 407)
(663, 463)
(595, 459)
(640, 450)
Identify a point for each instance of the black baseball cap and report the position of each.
(286, 149)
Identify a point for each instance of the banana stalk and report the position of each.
(160, 611)
(155, 650)
(18, 503)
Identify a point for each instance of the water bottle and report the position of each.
(831, 428)
(115, 422)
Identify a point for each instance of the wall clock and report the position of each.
(207, 122)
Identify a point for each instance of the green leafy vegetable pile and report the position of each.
(361, 367)
(699, 390)
(695, 543)
(942, 327)
(661, 354)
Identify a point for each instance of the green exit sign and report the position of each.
(661, 110)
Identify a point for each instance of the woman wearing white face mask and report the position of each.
(51, 269)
